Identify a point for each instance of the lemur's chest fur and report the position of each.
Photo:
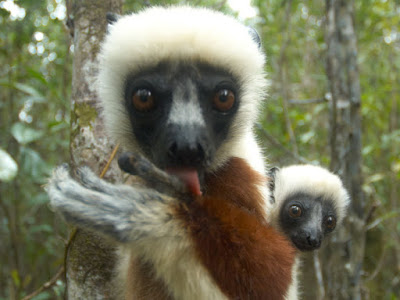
(243, 256)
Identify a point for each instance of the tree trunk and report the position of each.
(343, 256)
(89, 259)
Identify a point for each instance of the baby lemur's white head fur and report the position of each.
(309, 202)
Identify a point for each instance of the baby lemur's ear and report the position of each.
(271, 182)
(112, 17)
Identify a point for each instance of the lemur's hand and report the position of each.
(136, 164)
(121, 212)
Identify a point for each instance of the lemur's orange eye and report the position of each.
(330, 222)
(224, 100)
(295, 211)
(143, 100)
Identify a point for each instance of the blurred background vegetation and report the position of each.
(35, 79)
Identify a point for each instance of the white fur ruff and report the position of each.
(186, 34)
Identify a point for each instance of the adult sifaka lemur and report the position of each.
(181, 87)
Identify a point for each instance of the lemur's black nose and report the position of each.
(314, 241)
(187, 147)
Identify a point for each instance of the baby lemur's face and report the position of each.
(306, 220)
(308, 202)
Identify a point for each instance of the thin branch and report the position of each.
(46, 285)
(112, 156)
(273, 141)
(378, 267)
(372, 211)
(385, 217)
(307, 101)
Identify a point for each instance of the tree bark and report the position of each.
(89, 258)
(343, 256)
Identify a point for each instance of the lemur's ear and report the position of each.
(255, 36)
(272, 172)
(271, 182)
(112, 17)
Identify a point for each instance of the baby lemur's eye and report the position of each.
(330, 223)
(224, 100)
(295, 211)
(143, 100)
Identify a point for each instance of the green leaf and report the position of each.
(30, 90)
(367, 150)
(34, 99)
(58, 126)
(42, 296)
(305, 138)
(39, 199)
(38, 75)
(34, 165)
(375, 177)
(15, 277)
(8, 167)
(41, 228)
(33, 94)
(25, 135)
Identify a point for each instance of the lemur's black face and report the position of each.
(181, 113)
(306, 220)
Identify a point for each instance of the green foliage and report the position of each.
(35, 80)
(34, 124)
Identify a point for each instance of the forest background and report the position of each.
(36, 55)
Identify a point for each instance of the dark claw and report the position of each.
(65, 166)
(127, 162)
(79, 173)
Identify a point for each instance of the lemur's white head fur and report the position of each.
(143, 40)
(313, 181)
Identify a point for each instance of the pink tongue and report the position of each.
(189, 176)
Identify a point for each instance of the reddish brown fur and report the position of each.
(247, 258)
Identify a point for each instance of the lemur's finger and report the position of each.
(136, 164)
(88, 179)
(91, 181)
(66, 192)
(88, 210)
